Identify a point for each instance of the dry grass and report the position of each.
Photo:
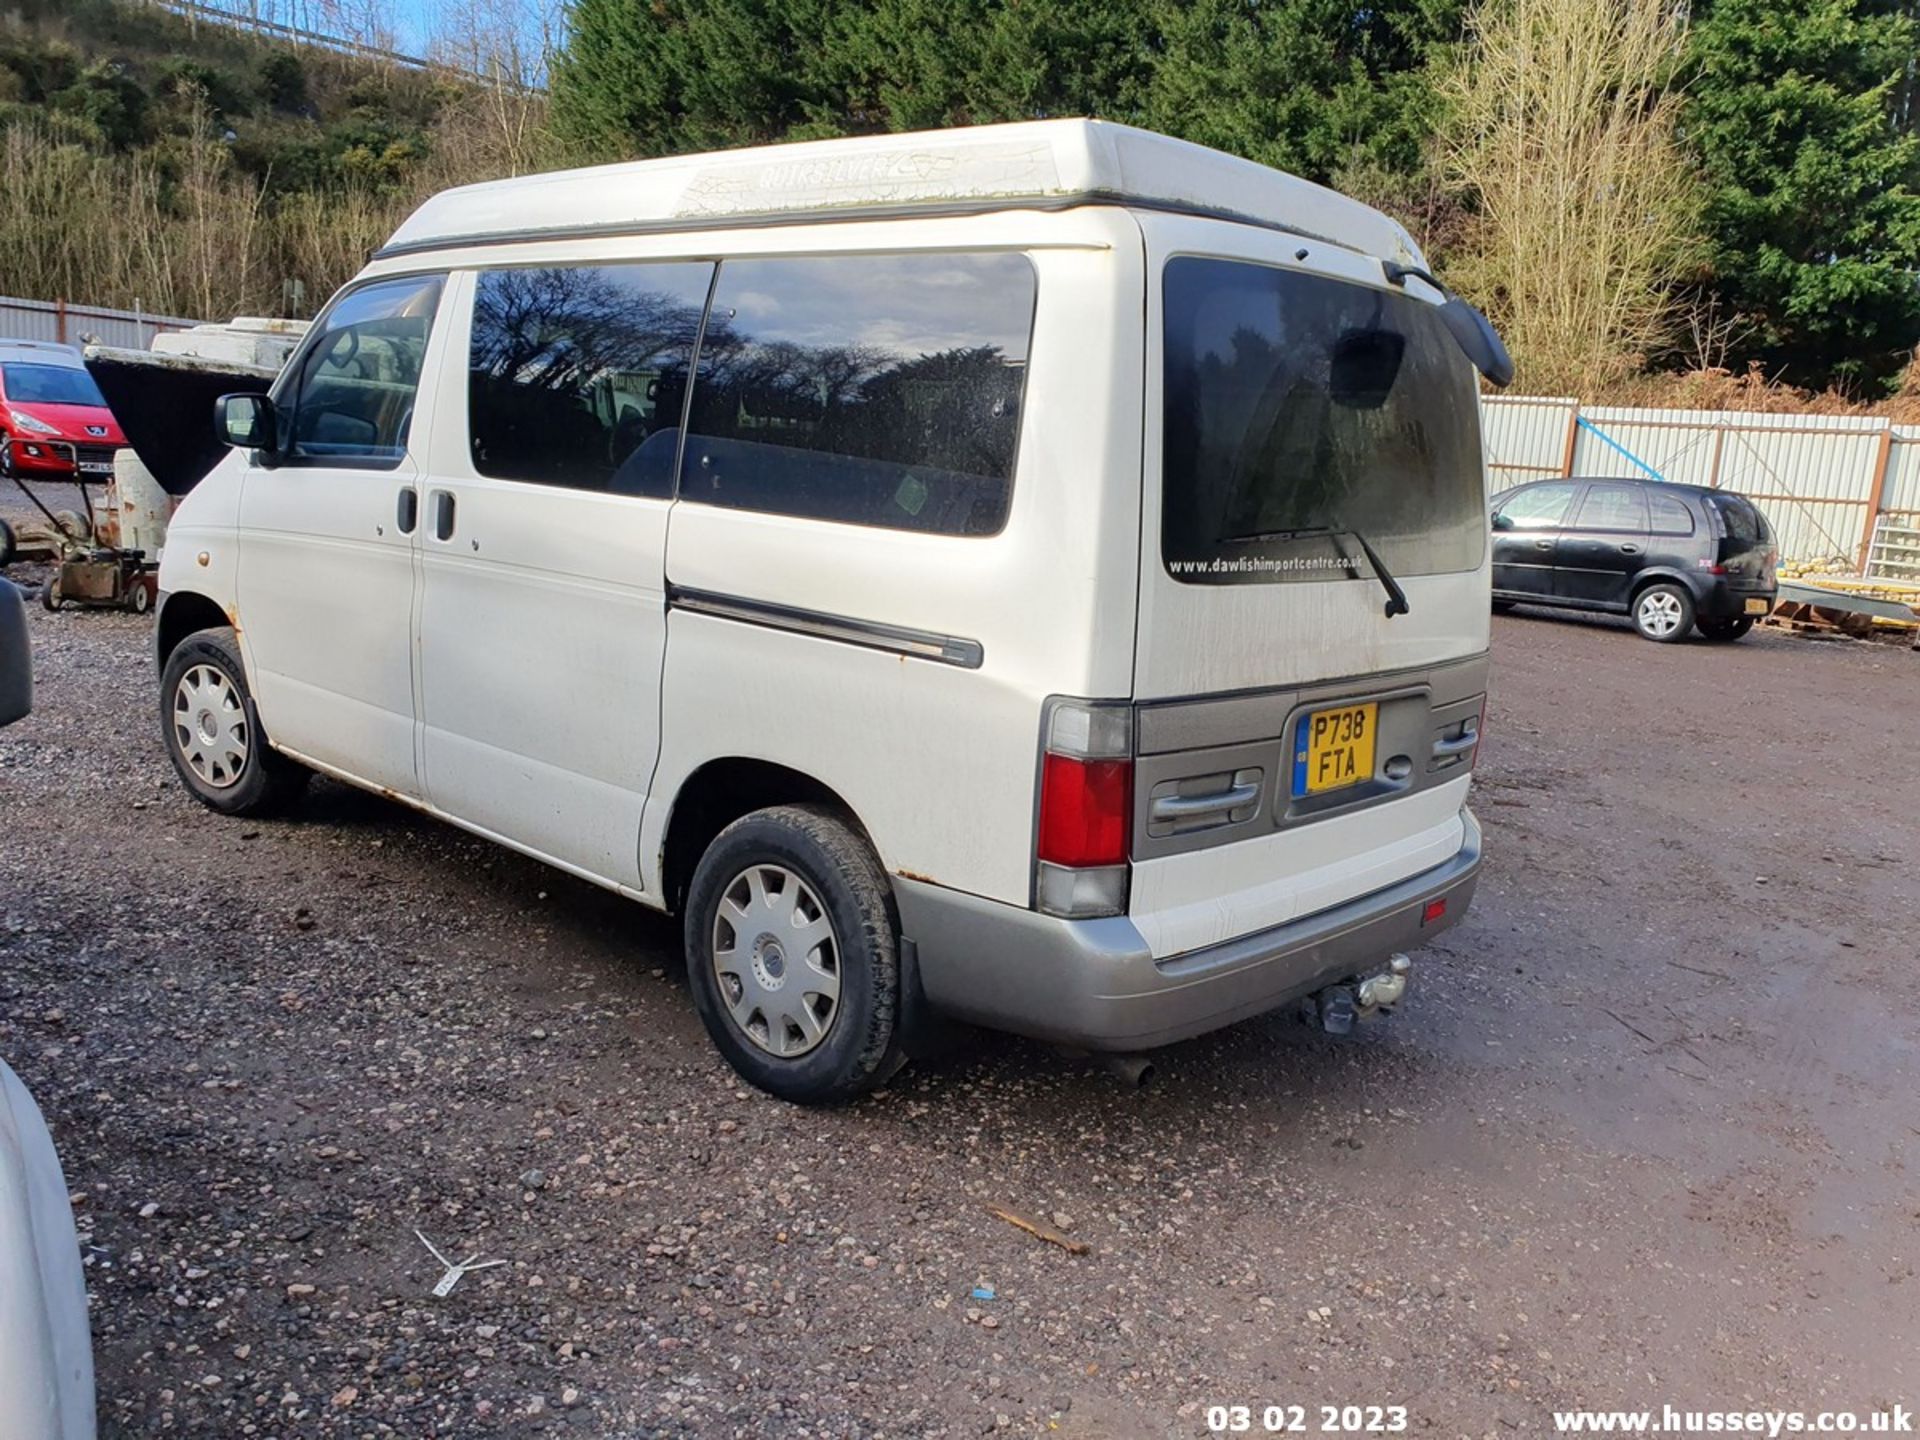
(184, 233)
(1752, 391)
(177, 228)
(1584, 207)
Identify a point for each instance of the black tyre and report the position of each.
(9, 544)
(213, 733)
(50, 595)
(1501, 607)
(1663, 613)
(793, 954)
(1726, 630)
(139, 597)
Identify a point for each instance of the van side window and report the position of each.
(1670, 514)
(352, 396)
(866, 389)
(1539, 507)
(577, 374)
(1613, 507)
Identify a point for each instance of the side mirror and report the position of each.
(1471, 330)
(1501, 522)
(1474, 333)
(247, 422)
(16, 658)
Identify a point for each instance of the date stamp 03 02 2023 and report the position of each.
(1300, 1419)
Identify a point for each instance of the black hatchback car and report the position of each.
(1672, 557)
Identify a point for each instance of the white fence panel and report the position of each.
(1525, 438)
(78, 324)
(1674, 445)
(1902, 496)
(1819, 530)
(1821, 478)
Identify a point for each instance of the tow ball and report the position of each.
(1370, 996)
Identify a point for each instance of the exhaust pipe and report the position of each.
(1133, 1071)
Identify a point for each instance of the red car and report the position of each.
(54, 425)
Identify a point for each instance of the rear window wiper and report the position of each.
(1396, 597)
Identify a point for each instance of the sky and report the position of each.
(413, 24)
(413, 20)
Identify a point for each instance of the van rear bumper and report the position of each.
(1095, 984)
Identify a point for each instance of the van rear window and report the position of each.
(1302, 412)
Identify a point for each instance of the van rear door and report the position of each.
(1312, 459)
(1300, 409)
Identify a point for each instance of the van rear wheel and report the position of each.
(793, 954)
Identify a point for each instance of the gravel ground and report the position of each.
(1645, 1132)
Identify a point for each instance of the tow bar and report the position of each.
(1338, 1006)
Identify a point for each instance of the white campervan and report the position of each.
(1035, 574)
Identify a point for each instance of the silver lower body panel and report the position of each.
(1094, 984)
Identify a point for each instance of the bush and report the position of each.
(225, 93)
(109, 100)
(283, 80)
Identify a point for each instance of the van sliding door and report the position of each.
(543, 607)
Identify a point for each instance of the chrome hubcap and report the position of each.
(1660, 613)
(210, 726)
(777, 960)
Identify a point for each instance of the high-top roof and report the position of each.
(1047, 164)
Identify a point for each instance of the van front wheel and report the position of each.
(793, 954)
(213, 732)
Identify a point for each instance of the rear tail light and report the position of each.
(1086, 809)
(1712, 567)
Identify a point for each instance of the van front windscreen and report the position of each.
(1307, 418)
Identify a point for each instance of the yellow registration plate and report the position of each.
(1334, 748)
(1756, 607)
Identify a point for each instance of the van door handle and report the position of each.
(443, 514)
(1179, 807)
(407, 510)
(1629, 549)
(1543, 544)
